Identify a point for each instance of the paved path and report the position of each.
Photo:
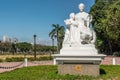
(8, 66)
(109, 60)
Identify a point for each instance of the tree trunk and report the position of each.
(57, 43)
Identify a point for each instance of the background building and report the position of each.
(6, 39)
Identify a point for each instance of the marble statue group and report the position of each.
(78, 30)
(78, 54)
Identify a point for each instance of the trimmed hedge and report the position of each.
(18, 59)
(14, 59)
(1, 60)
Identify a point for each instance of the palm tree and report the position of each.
(58, 33)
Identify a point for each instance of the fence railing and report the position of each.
(25, 63)
(11, 67)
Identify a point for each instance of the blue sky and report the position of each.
(24, 18)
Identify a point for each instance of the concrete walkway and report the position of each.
(108, 60)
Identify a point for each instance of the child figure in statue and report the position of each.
(72, 33)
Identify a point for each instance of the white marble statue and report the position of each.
(78, 45)
(78, 30)
(72, 31)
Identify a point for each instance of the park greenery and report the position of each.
(24, 48)
(50, 73)
(106, 22)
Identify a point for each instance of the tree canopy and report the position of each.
(58, 33)
(24, 46)
(106, 22)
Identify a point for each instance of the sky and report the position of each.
(24, 18)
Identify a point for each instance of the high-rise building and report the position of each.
(6, 39)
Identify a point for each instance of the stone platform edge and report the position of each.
(78, 59)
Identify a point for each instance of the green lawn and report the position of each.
(50, 73)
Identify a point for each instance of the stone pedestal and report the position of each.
(79, 60)
(78, 64)
(79, 69)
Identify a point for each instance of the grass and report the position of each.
(50, 73)
(110, 71)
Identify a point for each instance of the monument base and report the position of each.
(78, 64)
(79, 69)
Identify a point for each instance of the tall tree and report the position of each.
(106, 21)
(6, 46)
(13, 48)
(58, 33)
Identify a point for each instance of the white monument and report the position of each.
(79, 38)
(78, 46)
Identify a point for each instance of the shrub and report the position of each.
(44, 58)
(39, 58)
(14, 59)
(31, 59)
(1, 60)
(18, 59)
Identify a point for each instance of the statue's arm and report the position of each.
(67, 22)
(89, 20)
(75, 23)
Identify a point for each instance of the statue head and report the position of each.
(72, 15)
(81, 7)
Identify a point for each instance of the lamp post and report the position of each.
(53, 45)
(35, 45)
(52, 52)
